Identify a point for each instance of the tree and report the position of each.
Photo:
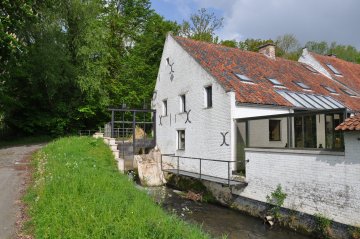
(253, 44)
(229, 43)
(202, 26)
(288, 43)
(345, 52)
(318, 47)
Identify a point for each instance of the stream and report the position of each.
(217, 220)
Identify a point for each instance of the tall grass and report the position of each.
(78, 193)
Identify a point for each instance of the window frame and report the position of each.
(274, 81)
(302, 85)
(164, 107)
(208, 98)
(279, 122)
(182, 100)
(179, 145)
(330, 89)
(333, 69)
(244, 78)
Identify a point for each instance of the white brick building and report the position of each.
(253, 109)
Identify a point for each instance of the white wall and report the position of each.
(315, 181)
(202, 135)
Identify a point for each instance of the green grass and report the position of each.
(78, 193)
(24, 141)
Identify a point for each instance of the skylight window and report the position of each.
(275, 81)
(302, 85)
(243, 78)
(310, 68)
(328, 88)
(348, 92)
(333, 69)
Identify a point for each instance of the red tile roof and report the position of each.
(352, 123)
(222, 62)
(350, 71)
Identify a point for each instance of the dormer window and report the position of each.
(302, 85)
(333, 69)
(243, 78)
(328, 88)
(275, 82)
(348, 92)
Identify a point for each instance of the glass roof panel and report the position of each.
(275, 81)
(311, 101)
(333, 69)
(243, 78)
(328, 88)
(302, 85)
(290, 99)
(335, 102)
(348, 92)
(299, 99)
(325, 100)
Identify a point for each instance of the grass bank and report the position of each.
(78, 193)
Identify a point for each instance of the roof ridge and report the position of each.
(333, 58)
(233, 48)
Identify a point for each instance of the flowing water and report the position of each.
(218, 220)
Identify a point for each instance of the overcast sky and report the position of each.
(329, 20)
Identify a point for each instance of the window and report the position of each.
(274, 130)
(302, 85)
(275, 81)
(208, 96)
(328, 88)
(181, 139)
(182, 103)
(305, 131)
(310, 69)
(348, 92)
(164, 108)
(333, 69)
(334, 139)
(243, 78)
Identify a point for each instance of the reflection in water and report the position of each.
(218, 220)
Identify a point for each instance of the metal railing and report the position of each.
(86, 132)
(222, 171)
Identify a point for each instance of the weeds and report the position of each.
(276, 200)
(354, 232)
(323, 226)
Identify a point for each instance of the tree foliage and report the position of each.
(346, 52)
(78, 58)
(202, 26)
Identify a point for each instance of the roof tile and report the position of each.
(222, 62)
(352, 123)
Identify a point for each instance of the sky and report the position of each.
(308, 20)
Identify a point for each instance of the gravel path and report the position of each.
(13, 170)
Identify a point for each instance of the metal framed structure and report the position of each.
(127, 122)
(289, 123)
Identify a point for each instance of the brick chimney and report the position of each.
(268, 50)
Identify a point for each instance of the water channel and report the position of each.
(218, 220)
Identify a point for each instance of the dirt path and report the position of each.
(13, 170)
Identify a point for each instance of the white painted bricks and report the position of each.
(202, 135)
(326, 184)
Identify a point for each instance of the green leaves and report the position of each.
(77, 58)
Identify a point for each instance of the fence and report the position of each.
(220, 171)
